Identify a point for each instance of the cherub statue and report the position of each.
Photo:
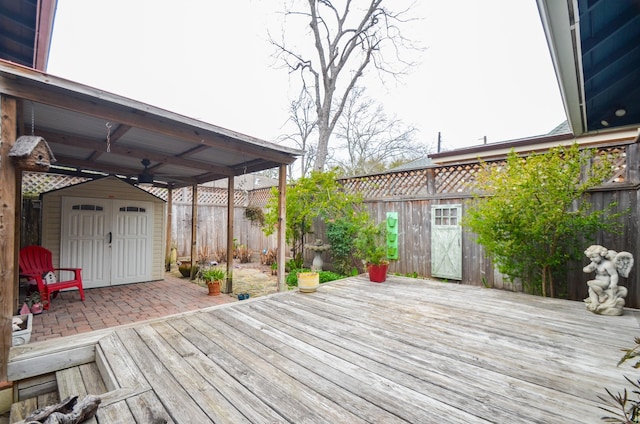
(606, 297)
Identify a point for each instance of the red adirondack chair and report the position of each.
(36, 263)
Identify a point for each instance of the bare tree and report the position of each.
(346, 40)
(302, 116)
(372, 141)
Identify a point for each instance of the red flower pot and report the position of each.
(377, 273)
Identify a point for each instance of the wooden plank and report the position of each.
(407, 404)
(36, 386)
(448, 384)
(49, 357)
(206, 396)
(250, 405)
(70, 383)
(146, 408)
(122, 364)
(115, 413)
(289, 397)
(9, 203)
(48, 399)
(108, 377)
(170, 392)
(92, 379)
(298, 367)
(20, 410)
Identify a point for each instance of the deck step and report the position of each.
(75, 381)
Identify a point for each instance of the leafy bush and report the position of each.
(532, 215)
(341, 234)
(326, 276)
(318, 196)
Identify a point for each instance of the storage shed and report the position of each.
(114, 231)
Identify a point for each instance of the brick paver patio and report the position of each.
(111, 306)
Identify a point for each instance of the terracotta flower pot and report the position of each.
(377, 273)
(214, 288)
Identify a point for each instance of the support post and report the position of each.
(8, 246)
(230, 208)
(169, 215)
(194, 230)
(282, 226)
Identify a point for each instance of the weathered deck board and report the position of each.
(403, 351)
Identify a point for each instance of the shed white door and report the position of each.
(446, 241)
(109, 239)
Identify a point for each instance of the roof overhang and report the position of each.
(27, 26)
(92, 131)
(537, 144)
(595, 49)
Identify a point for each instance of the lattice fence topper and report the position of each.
(34, 183)
(449, 179)
(619, 156)
(400, 183)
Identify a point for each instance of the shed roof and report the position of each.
(90, 130)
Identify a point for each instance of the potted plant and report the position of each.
(34, 303)
(371, 247)
(308, 281)
(22, 326)
(214, 278)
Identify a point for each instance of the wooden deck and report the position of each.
(403, 351)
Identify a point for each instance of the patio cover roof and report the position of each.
(595, 48)
(92, 130)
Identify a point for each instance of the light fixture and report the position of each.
(145, 179)
(604, 123)
(620, 112)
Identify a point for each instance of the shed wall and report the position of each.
(106, 188)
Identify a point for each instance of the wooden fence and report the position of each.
(412, 193)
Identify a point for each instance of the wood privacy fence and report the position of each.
(412, 194)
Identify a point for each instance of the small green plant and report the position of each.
(370, 243)
(255, 215)
(326, 276)
(213, 274)
(628, 410)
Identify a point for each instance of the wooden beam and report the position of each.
(230, 207)
(194, 230)
(112, 138)
(8, 247)
(282, 226)
(84, 143)
(169, 216)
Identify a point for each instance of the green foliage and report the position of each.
(370, 243)
(213, 274)
(319, 195)
(326, 276)
(341, 234)
(627, 409)
(292, 277)
(533, 214)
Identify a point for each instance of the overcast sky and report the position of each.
(486, 69)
